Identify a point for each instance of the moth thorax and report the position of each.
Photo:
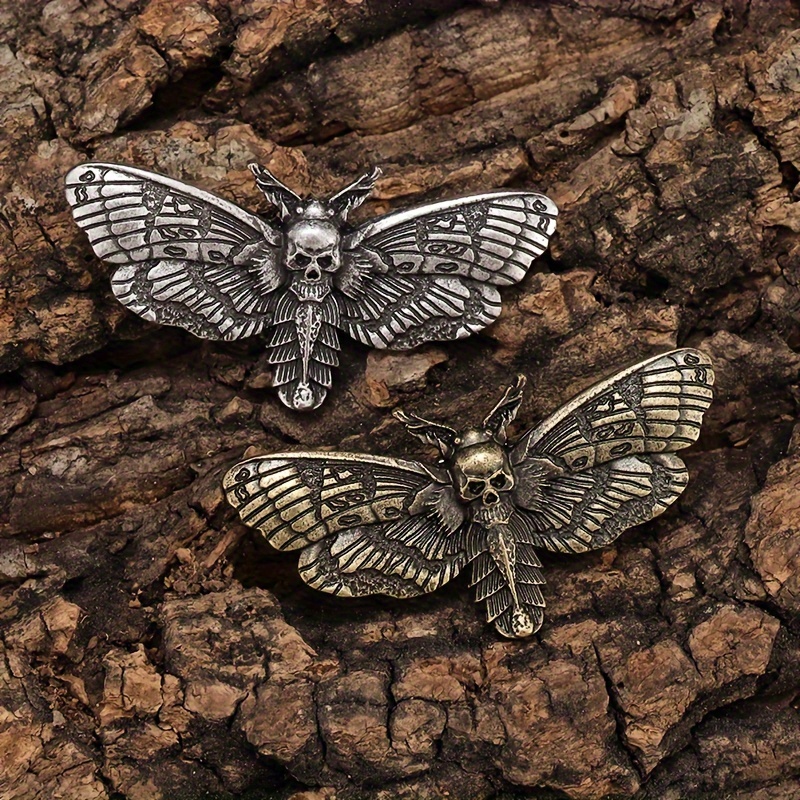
(482, 472)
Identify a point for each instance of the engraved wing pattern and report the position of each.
(605, 461)
(431, 272)
(365, 524)
(185, 257)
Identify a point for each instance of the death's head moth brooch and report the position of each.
(189, 258)
(600, 464)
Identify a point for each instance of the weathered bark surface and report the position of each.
(155, 649)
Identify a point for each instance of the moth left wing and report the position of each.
(399, 312)
(605, 461)
(183, 256)
(368, 524)
(430, 272)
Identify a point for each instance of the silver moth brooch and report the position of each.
(186, 257)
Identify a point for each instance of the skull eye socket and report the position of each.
(302, 260)
(326, 262)
(475, 487)
(499, 481)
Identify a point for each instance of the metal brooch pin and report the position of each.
(600, 464)
(189, 258)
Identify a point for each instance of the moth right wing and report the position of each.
(606, 460)
(655, 406)
(367, 525)
(431, 272)
(575, 512)
(184, 256)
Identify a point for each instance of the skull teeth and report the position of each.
(310, 290)
(489, 515)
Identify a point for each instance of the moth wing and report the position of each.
(184, 256)
(430, 273)
(491, 238)
(576, 512)
(368, 525)
(605, 461)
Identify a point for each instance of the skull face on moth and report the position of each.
(305, 275)
(478, 460)
(313, 252)
(483, 476)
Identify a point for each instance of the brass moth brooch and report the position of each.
(602, 463)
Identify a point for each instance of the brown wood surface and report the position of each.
(154, 648)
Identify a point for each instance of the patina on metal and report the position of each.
(602, 463)
(189, 258)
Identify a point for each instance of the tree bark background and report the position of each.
(154, 648)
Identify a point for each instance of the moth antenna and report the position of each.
(355, 194)
(504, 413)
(441, 436)
(276, 192)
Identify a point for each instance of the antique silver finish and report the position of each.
(602, 463)
(189, 258)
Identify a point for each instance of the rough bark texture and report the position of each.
(153, 648)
